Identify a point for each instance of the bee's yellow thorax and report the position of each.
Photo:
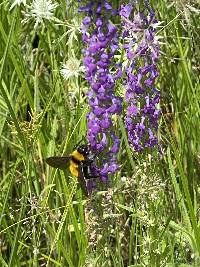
(77, 155)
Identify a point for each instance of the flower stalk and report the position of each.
(100, 37)
(142, 97)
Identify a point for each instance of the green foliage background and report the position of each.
(150, 217)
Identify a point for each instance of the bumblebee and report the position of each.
(79, 161)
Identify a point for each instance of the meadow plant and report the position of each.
(100, 37)
(150, 215)
(142, 97)
(98, 220)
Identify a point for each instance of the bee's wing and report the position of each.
(58, 162)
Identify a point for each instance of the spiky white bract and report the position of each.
(17, 3)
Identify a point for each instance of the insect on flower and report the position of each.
(80, 162)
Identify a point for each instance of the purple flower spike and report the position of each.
(101, 43)
(142, 97)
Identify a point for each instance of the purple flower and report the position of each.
(101, 43)
(126, 10)
(142, 97)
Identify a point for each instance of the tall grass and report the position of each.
(150, 214)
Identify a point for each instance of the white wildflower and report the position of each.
(71, 68)
(35, 251)
(17, 2)
(193, 9)
(123, 179)
(41, 10)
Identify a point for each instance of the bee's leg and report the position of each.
(92, 177)
(81, 179)
(87, 162)
(88, 173)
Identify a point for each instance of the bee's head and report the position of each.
(83, 149)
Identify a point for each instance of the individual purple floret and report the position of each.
(100, 38)
(142, 97)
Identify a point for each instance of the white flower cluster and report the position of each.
(71, 68)
(39, 10)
